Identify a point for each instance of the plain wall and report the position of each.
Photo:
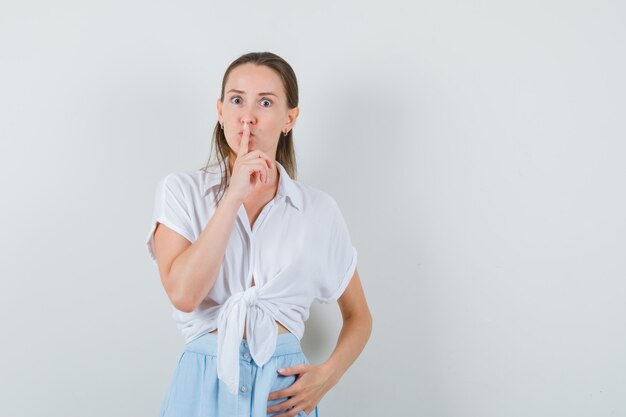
(476, 150)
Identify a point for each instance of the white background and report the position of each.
(475, 148)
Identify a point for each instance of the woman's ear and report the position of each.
(292, 115)
(219, 109)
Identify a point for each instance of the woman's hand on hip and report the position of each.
(312, 383)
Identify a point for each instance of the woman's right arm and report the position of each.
(188, 270)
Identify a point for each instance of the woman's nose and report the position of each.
(247, 119)
(247, 115)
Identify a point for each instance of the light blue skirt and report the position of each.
(195, 390)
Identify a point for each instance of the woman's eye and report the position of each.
(269, 103)
(235, 98)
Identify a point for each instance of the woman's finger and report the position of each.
(286, 405)
(243, 144)
(289, 413)
(288, 392)
(258, 154)
(259, 166)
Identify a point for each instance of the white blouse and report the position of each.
(299, 250)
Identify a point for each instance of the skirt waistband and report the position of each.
(286, 343)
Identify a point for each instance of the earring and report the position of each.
(285, 133)
(222, 125)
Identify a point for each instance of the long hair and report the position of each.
(285, 153)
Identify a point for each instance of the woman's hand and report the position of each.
(312, 383)
(249, 167)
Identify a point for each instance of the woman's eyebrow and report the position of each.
(268, 93)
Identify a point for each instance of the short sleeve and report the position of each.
(171, 209)
(339, 257)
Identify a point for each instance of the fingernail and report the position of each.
(281, 370)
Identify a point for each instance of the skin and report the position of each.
(252, 128)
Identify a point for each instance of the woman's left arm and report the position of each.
(314, 381)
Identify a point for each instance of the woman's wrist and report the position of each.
(231, 201)
(332, 372)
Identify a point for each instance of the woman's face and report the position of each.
(255, 93)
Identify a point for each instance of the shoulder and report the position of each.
(315, 199)
(184, 182)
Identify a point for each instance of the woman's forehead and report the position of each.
(254, 79)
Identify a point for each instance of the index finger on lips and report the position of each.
(243, 144)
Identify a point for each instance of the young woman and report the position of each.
(243, 249)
